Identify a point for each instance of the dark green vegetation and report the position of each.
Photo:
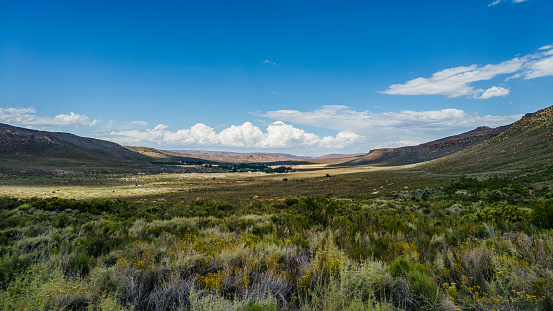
(256, 167)
(471, 244)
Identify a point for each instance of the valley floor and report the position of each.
(340, 239)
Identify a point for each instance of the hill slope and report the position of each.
(26, 148)
(526, 144)
(427, 151)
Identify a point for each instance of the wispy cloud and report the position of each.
(269, 62)
(27, 117)
(498, 1)
(277, 135)
(392, 129)
(539, 68)
(457, 81)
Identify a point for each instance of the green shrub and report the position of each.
(79, 263)
(185, 229)
(399, 267)
(40, 289)
(504, 213)
(542, 215)
(291, 201)
(259, 306)
(362, 281)
(482, 232)
(424, 290)
(262, 230)
(300, 242)
(12, 266)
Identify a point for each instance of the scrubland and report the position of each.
(461, 243)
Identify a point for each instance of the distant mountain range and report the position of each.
(245, 157)
(523, 144)
(263, 157)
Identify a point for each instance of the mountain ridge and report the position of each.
(426, 151)
(527, 143)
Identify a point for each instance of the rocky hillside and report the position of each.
(427, 151)
(30, 149)
(526, 144)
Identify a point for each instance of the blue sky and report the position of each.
(302, 77)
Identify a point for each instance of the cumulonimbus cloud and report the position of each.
(277, 135)
(27, 117)
(457, 81)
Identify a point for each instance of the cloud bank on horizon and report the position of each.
(357, 130)
(278, 135)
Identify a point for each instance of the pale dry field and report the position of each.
(306, 180)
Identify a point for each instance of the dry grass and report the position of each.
(310, 180)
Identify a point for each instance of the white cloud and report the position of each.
(343, 118)
(454, 82)
(278, 135)
(498, 1)
(391, 129)
(515, 76)
(494, 91)
(457, 81)
(27, 117)
(539, 68)
(546, 47)
(141, 123)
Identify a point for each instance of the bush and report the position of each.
(504, 213)
(482, 232)
(291, 201)
(259, 306)
(424, 290)
(542, 215)
(185, 229)
(79, 264)
(11, 266)
(399, 267)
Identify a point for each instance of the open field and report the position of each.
(350, 182)
(313, 242)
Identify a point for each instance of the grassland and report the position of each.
(306, 180)
(319, 238)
